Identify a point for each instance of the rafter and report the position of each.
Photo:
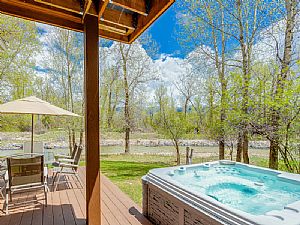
(65, 5)
(138, 6)
(41, 14)
(113, 36)
(102, 7)
(86, 8)
(115, 29)
(68, 5)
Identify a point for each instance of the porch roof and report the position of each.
(120, 20)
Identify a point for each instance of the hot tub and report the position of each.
(221, 192)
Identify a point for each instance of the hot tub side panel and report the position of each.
(163, 208)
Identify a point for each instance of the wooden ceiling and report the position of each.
(120, 20)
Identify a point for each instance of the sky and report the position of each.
(163, 31)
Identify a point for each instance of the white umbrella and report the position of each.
(34, 106)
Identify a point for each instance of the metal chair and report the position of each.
(65, 158)
(25, 173)
(3, 169)
(69, 167)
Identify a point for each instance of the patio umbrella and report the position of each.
(34, 106)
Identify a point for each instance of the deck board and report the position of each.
(67, 206)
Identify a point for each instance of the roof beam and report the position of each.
(116, 29)
(138, 6)
(86, 7)
(115, 17)
(102, 7)
(37, 13)
(113, 36)
(68, 5)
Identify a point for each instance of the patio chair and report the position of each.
(66, 158)
(69, 167)
(3, 169)
(25, 173)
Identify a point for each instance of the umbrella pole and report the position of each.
(32, 130)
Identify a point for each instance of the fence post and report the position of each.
(187, 155)
(191, 156)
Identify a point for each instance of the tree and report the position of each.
(111, 87)
(114, 88)
(136, 71)
(292, 10)
(210, 16)
(232, 28)
(65, 69)
(18, 46)
(168, 121)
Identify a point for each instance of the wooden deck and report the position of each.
(67, 206)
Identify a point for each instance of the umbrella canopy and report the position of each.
(35, 106)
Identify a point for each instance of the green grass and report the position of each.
(127, 175)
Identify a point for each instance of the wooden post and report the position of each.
(32, 131)
(92, 134)
(145, 196)
(187, 155)
(191, 156)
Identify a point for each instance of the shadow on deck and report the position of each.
(67, 206)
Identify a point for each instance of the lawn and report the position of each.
(127, 175)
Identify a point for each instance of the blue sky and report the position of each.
(163, 31)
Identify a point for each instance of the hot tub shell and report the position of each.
(166, 203)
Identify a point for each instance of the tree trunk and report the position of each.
(221, 149)
(127, 121)
(220, 66)
(127, 132)
(126, 103)
(245, 147)
(291, 10)
(186, 106)
(187, 154)
(246, 51)
(109, 111)
(177, 152)
(239, 148)
(211, 102)
(126, 111)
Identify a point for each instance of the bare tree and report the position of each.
(187, 86)
(65, 69)
(136, 70)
